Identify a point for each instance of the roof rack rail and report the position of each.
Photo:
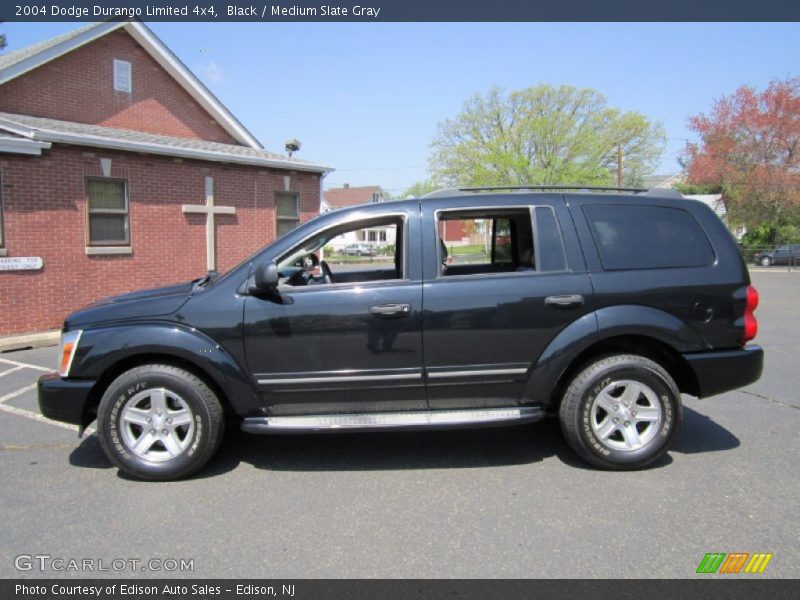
(523, 188)
(663, 193)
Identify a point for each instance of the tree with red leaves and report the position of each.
(750, 149)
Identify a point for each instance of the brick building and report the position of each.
(119, 170)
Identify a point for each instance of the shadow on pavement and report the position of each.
(701, 434)
(89, 454)
(442, 449)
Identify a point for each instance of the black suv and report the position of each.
(484, 307)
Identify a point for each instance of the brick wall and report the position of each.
(79, 86)
(45, 215)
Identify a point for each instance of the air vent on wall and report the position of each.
(122, 76)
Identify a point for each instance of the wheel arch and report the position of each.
(633, 329)
(109, 352)
(642, 345)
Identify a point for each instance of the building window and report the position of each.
(107, 212)
(122, 76)
(287, 211)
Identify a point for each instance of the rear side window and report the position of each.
(550, 248)
(630, 236)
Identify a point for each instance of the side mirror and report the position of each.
(266, 276)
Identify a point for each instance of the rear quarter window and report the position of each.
(630, 236)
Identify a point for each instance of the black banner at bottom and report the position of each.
(390, 589)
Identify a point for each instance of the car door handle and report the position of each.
(565, 301)
(390, 310)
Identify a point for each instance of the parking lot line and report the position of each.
(16, 363)
(19, 392)
(21, 412)
(12, 370)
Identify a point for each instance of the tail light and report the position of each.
(750, 322)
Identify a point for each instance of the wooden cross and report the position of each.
(210, 210)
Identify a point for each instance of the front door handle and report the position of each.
(565, 301)
(390, 310)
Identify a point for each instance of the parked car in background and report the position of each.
(788, 254)
(358, 249)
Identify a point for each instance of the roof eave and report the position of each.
(31, 62)
(160, 53)
(23, 146)
(77, 139)
(173, 65)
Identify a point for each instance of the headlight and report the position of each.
(66, 350)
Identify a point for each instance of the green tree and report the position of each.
(420, 188)
(544, 135)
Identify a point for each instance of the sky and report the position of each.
(366, 98)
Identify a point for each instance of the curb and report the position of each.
(29, 340)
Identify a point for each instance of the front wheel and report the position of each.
(159, 422)
(621, 412)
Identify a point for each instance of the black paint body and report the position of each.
(489, 340)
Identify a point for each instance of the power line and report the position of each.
(384, 168)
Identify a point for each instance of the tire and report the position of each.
(185, 414)
(645, 427)
(766, 261)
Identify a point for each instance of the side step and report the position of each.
(393, 420)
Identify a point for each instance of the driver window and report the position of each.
(354, 253)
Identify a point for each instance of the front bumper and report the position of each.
(65, 399)
(722, 371)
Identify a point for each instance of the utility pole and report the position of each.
(619, 164)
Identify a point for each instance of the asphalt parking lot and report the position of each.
(507, 502)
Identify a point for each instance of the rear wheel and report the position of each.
(766, 261)
(159, 422)
(621, 412)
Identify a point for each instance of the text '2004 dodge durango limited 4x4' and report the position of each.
(495, 307)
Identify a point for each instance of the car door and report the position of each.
(484, 327)
(781, 255)
(348, 346)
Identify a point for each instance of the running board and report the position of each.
(393, 420)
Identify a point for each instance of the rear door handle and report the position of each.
(565, 301)
(390, 310)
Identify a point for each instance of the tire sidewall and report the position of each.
(120, 392)
(668, 399)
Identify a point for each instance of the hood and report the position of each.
(133, 305)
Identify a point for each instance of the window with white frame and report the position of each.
(122, 76)
(107, 215)
(287, 212)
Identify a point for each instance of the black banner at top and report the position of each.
(401, 10)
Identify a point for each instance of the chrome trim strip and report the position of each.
(405, 419)
(482, 373)
(340, 378)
